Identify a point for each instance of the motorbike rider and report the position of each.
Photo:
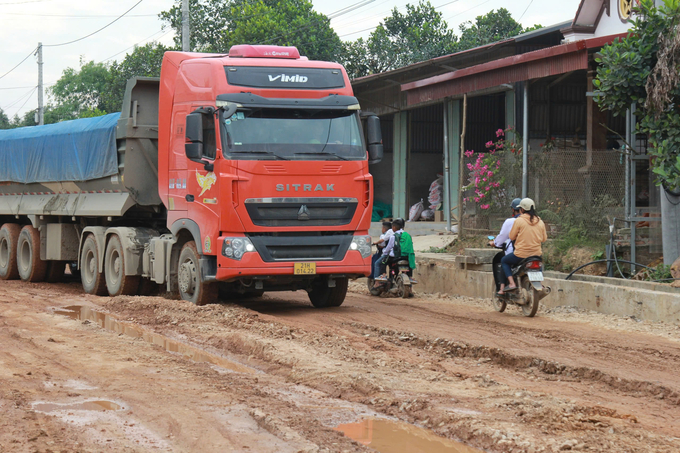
(380, 244)
(406, 246)
(388, 253)
(502, 241)
(528, 233)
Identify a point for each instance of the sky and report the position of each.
(24, 23)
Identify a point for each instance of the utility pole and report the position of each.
(41, 110)
(186, 29)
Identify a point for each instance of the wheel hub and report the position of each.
(187, 277)
(116, 265)
(91, 264)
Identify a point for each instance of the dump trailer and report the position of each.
(239, 174)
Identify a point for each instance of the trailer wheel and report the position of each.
(93, 281)
(55, 271)
(9, 236)
(321, 296)
(117, 283)
(31, 267)
(191, 287)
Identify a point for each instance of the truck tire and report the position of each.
(55, 271)
(322, 296)
(9, 236)
(191, 287)
(31, 267)
(93, 281)
(117, 283)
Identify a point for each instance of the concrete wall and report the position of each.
(648, 301)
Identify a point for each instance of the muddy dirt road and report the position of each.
(141, 374)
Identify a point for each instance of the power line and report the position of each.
(21, 3)
(138, 43)
(337, 13)
(469, 9)
(16, 88)
(525, 11)
(27, 99)
(28, 93)
(376, 26)
(95, 32)
(26, 58)
(81, 16)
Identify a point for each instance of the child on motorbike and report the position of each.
(380, 244)
(528, 233)
(403, 248)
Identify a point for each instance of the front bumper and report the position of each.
(252, 265)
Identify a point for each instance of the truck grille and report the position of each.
(301, 211)
(301, 247)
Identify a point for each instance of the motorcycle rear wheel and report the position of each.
(498, 304)
(399, 288)
(530, 308)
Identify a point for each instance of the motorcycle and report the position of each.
(399, 280)
(528, 275)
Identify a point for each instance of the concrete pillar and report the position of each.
(400, 157)
(454, 156)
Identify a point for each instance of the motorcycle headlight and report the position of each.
(234, 248)
(362, 244)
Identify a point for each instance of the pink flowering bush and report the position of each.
(486, 177)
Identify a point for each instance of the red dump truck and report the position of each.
(242, 173)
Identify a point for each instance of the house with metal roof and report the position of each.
(541, 84)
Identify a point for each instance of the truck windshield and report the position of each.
(292, 134)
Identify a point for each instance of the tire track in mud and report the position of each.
(452, 348)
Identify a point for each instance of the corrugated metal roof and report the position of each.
(533, 65)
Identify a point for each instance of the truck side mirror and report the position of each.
(375, 146)
(194, 134)
(194, 127)
(194, 151)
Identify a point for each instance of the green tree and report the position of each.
(81, 90)
(644, 68)
(489, 28)
(219, 24)
(144, 61)
(403, 39)
(5, 122)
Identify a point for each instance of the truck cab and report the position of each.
(262, 158)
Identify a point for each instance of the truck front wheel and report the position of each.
(93, 281)
(31, 267)
(191, 287)
(323, 296)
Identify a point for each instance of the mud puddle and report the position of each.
(387, 436)
(98, 406)
(108, 322)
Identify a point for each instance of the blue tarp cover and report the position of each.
(77, 150)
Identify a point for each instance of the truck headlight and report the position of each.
(234, 248)
(362, 244)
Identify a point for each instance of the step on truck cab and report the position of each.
(238, 174)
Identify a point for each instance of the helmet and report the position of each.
(527, 204)
(515, 203)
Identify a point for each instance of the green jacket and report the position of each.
(406, 244)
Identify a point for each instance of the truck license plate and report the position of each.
(304, 269)
(535, 276)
